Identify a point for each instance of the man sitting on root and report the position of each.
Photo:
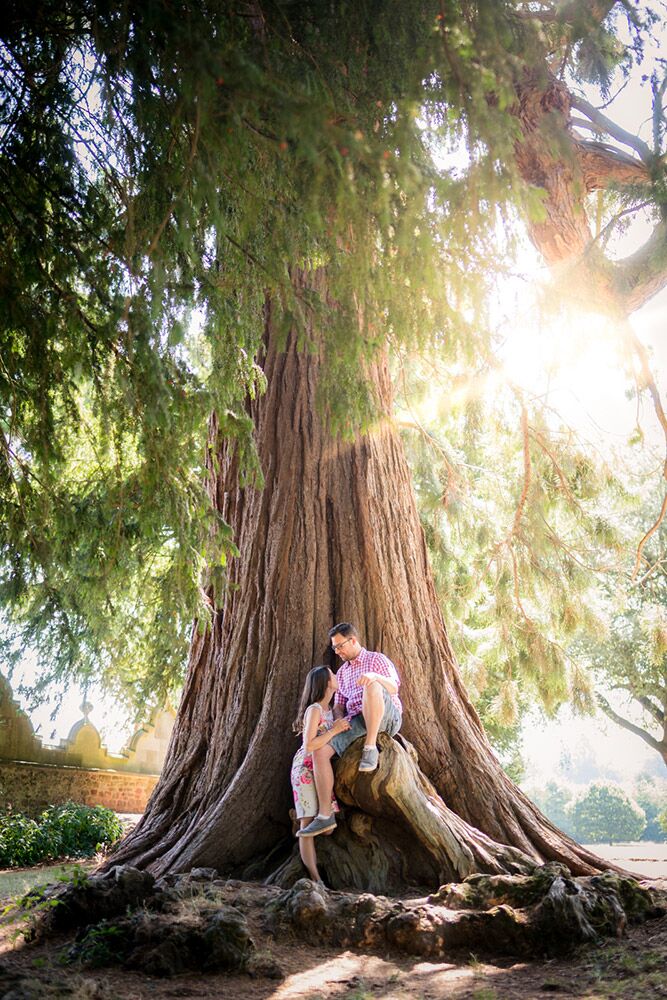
(368, 696)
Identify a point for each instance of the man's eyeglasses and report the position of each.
(343, 643)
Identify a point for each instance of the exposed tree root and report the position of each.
(199, 921)
(547, 913)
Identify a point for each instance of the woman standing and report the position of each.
(316, 722)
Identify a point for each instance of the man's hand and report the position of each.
(340, 726)
(367, 679)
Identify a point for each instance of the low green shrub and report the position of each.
(73, 830)
(68, 830)
(20, 843)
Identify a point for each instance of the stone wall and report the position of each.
(29, 788)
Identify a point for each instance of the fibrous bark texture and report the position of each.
(334, 535)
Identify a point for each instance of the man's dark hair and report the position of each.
(344, 629)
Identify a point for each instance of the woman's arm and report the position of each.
(310, 723)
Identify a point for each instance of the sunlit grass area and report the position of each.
(14, 882)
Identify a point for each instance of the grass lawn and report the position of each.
(16, 881)
(644, 857)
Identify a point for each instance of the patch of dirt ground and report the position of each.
(630, 968)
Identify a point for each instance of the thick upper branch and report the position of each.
(644, 273)
(657, 745)
(567, 168)
(611, 128)
(603, 165)
(573, 12)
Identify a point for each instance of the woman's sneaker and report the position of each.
(319, 825)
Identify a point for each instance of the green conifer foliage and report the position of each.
(164, 170)
(629, 656)
(522, 524)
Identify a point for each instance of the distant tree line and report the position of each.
(604, 812)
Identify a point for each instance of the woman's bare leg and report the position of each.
(307, 851)
(324, 778)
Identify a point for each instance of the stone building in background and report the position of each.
(78, 769)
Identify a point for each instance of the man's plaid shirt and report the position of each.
(349, 694)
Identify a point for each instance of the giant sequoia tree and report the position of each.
(272, 168)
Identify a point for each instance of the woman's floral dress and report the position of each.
(303, 784)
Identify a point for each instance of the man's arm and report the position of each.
(387, 683)
(385, 674)
(340, 703)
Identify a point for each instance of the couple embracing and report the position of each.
(366, 703)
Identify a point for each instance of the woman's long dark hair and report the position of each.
(313, 690)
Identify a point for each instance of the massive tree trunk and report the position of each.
(333, 535)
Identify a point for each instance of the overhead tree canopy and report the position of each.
(163, 168)
(167, 166)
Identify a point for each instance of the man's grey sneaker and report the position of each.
(318, 826)
(369, 759)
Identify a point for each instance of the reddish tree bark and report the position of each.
(567, 168)
(333, 535)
